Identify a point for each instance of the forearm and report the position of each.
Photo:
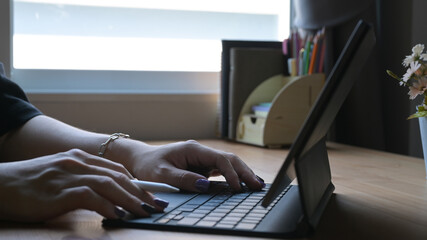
(43, 135)
(183, 164)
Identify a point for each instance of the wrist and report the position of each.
(111, 139)
(124, 150)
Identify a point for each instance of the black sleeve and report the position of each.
(15, 109)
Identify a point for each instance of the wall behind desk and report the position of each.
(143, 116)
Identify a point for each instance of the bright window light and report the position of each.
(97, 53)
(134, 35)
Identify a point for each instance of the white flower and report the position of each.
(408, 60)
(411, 70)
(423, 56)
(418, 49)
(417, 52)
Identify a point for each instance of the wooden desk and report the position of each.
(378, 196)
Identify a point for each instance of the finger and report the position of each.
(83, 197)
(184, 179)
(120, 177)
(245, 173)
(109, 189)
(227, 170)
(203, 156)
(230, 165)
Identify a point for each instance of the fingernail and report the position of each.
(148, 208)
(260, 180)
(161, 203)
(119, 212)
(243, 188)
(202, 185)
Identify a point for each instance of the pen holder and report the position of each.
(291, 100)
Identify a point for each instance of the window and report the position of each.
(134, 46)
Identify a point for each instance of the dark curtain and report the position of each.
(374, 114)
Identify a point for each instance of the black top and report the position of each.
(15, 109)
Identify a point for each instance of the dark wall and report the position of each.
(374, 115)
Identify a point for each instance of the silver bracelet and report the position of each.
(112, 137)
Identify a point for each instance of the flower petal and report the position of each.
(413, 92)
(418, 49)
(408, 60)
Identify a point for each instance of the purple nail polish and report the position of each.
(260, 180)
(161, 203)
(119, 212)
(202, 185)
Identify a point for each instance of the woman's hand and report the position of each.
(46, 187)
(187, 165)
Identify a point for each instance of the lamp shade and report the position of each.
(314, 14)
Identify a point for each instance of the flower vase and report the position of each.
(423, 132)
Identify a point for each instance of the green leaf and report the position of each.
(418, 115)
(391, 74)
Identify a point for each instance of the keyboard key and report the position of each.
(214, 219)
(196, 215)
(171, 216)
(221, 210)
(247, 226)
(250, 221)
(203, 207)
(230, 204)
(227, 222)
(241, 195)
(220, 225)
(201, 211)
(188, 221)
(179, 217)
(199, 199)
(240, 211)
(175, 212)
(256, 215)
(163, 220)
(206, 223)
(224, 208)
(231, 219)
(221, 197)
(234, 214)
(186, 209)
(216, 214)
(259, 211)
(191, 205)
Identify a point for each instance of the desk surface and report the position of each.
(378, 196)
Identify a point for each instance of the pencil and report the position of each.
(301, 62)
(313, 55)
(322, 52)
(307, 53)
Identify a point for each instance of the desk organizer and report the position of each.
(291, 100)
